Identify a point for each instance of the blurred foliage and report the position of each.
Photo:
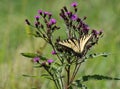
(101, 14)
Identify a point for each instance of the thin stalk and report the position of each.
(68, 77)
(57, 86)
(60, 61)
(59, 81)
(75, 72)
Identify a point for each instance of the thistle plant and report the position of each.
(70, 52)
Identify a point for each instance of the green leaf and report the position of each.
(37, 66)
(45, 75)
(97, 77)
(25, 75)
(71, 87)
(33, 55)
(93, 56)
(78, 84)
(97, 55)
(42, 58)
(29, 55)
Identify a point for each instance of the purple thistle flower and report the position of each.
(37, 17)
(50, 61)
(36, 24)
(74, 17)
(52, 21)
(53, 52)
(46, 13)
(40, 12)
(86, 29)
(95, 32)
(36, 59)
(68, 13)
(74, 4)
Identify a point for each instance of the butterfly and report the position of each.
(76, 45)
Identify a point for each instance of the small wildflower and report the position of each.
(53, 52)
(85, 17)
(52, 21)
(43, 64)
(40, 12)
(74, 17)
(46, 13)
(62, 11)
(78, 19)
(68, 13)
(37, 17)
(95, 32)
(49, 15)
(65, 8)
(86, 30)
(74, 4)
(50, 61)
(100, 32)
(27, 22)
(37, 24)
(36, 59)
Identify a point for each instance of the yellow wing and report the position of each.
(71, 43)
(76, 45)
(83, 42)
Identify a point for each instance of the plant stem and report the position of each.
(59, 81)
(77, 66)
(57, 86)
(68, 75)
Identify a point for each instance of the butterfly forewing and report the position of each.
(71, 43)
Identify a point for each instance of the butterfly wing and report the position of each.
(76, 45)
(71, 44)
(83, 42)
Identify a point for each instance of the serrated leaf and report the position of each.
(97, 55)
(97, 77)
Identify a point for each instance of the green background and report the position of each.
(101, 14)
